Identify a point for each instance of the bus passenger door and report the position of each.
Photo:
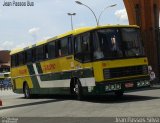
(83, 51)
(65, 54)
(83, 64)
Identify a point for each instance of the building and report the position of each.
(145, 13)
(4, 61)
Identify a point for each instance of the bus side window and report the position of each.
(58, 48)
(21, 58)
(70, 45)
(78, 48)
(86, 46)
(46, 51)
(64, 46)
(29, 56)
(33, 54)
(51, 49)
(13, 60)
(16, 60)
(25, 57)
(77, 44)
(39, 53)
(82, 47)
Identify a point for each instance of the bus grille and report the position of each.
(125, 71)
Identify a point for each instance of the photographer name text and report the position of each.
(17, 3)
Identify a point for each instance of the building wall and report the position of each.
(4, 61)
(145, 13)
(4, 56)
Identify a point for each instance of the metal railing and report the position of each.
(5, 86)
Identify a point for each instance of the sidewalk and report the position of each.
(6, 92)
(155, 86)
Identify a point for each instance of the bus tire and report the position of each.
(76, 89)
(26, 91)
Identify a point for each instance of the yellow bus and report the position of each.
(91, 60)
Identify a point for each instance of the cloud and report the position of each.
(7, 45)
(10, 45)
(121, 14)
(22, 45)
(34, 30)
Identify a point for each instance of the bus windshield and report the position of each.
(117, 43)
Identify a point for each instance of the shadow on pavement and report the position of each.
(30, 104)
(109, 98)
(92, 99)
(123, 99)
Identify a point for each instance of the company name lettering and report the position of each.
(15, 3)
(23, 71)
(49, 67)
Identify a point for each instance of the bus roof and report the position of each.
(73, 32)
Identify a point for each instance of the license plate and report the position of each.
(129, 85)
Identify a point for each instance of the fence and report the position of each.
(5, 85)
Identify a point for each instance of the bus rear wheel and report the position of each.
(26, 90)
(77, 89)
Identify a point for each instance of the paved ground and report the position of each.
(143, 103)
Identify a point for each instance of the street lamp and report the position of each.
(89, 9)
(97, 20)
(104, 10)
(71, 14)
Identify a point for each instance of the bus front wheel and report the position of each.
(77, 89)
(26, 90)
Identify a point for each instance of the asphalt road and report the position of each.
(135, 104)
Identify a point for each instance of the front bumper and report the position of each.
(121, 85)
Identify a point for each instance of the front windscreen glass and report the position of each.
(131, 42)
(117, 43)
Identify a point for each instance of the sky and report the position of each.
(21, 26)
